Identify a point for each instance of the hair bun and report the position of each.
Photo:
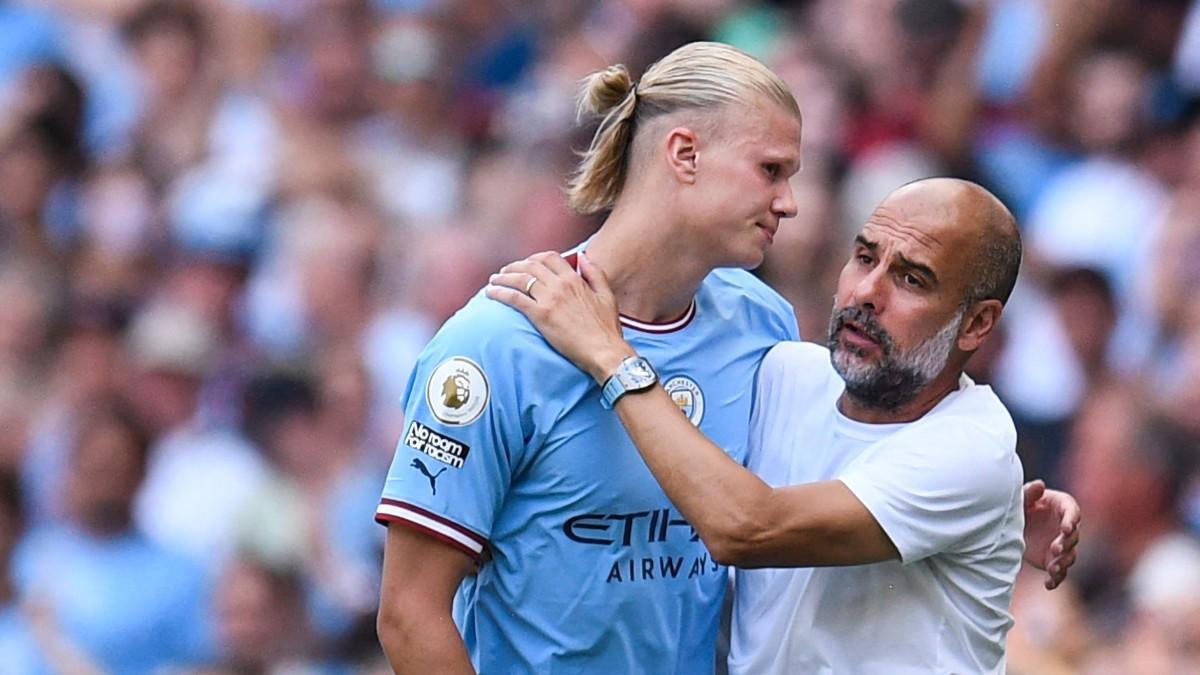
(606, 89)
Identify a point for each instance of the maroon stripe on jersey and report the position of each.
(387, 520)
(435, 517)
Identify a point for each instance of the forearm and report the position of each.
(719, 497)
(742, 520)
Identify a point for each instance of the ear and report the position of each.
(683, 154)
(978, 323)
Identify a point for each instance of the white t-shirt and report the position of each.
(946, 489)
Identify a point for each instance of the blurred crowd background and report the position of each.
(227, 227)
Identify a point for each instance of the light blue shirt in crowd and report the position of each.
(126, 603)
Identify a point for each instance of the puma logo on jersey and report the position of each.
(420, 466)
(438, 446)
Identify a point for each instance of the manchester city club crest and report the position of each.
(457, 391)
(688, 396)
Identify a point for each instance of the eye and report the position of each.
(772, 170)
(913, 280)
(864, 258)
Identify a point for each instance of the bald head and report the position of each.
(977, 217)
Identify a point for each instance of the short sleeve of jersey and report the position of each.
(462, 438)
(946, 487)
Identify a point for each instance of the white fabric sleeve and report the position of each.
(943, 487)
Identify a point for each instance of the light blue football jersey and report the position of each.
(584, 563)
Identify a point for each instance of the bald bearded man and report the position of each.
(880, 475)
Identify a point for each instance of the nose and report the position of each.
(784, 205)
(870, 292)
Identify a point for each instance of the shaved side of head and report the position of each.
(998, 255)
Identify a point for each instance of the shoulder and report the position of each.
(805, 364)
(486, 322)
(972, 442)
(490, 332)
(976, 414)
(728, 281)
(738, 288)
(796, 355)
(795, 373)
(488, 346)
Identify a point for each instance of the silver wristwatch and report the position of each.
(634, 374)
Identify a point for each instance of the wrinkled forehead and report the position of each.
(911, 231)
(928, 228)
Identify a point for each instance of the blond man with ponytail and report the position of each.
(515, 504)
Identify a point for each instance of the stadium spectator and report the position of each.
(127, 604)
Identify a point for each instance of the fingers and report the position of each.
(1072, 537)
(512, 297)
(553, 262)
(530, 267)
(543, 265)
(1064, 543)
(594, 276)
(1071, 513)
(518, 281)
(1056, 573)
(524, 275)
(548, 270)
(1064, 552)
(1034, 491)
(1066, 563)
(1071, 519)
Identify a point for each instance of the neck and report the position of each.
(652, 276)
(926, 400)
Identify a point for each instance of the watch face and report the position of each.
(638, 374)
(641, 371)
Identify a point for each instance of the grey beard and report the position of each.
(899, 375)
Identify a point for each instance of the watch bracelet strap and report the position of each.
(611, 392)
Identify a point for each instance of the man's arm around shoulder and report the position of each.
(420, 578)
